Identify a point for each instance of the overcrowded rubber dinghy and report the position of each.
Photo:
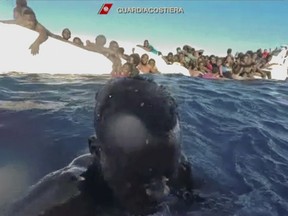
(59, 57)
(55, 56)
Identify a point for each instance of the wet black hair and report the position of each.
(229, 50)
(141, 97)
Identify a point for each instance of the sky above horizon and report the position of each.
(211, 25)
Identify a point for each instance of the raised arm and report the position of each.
(145, 48)
(43, 36)
(8, 21)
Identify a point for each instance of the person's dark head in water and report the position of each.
(66, 34)
(137, 124)
(137, 162)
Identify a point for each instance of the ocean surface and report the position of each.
(235, 135)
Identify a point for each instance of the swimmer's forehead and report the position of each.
(127, 133)
(151, 103)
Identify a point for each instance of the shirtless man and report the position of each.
(25, 16)
(122, 55)
(98, 46)
(17, 12)
(152, 63)
(126, 70)
(134, 59)
(66, 34)
(111, 53)
(144, 67)
(146, 46)
(247, 65)
(77, 41)
(169, 58)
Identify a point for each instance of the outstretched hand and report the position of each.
(34, 48)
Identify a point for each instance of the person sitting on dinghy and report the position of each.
(20, 4)
(78, 41)
(98, 46)
(25, 16)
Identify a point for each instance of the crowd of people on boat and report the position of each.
(239, 66)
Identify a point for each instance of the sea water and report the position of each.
(235, 135)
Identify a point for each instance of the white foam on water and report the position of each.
(28, 105)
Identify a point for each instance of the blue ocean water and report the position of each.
(235, 135)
